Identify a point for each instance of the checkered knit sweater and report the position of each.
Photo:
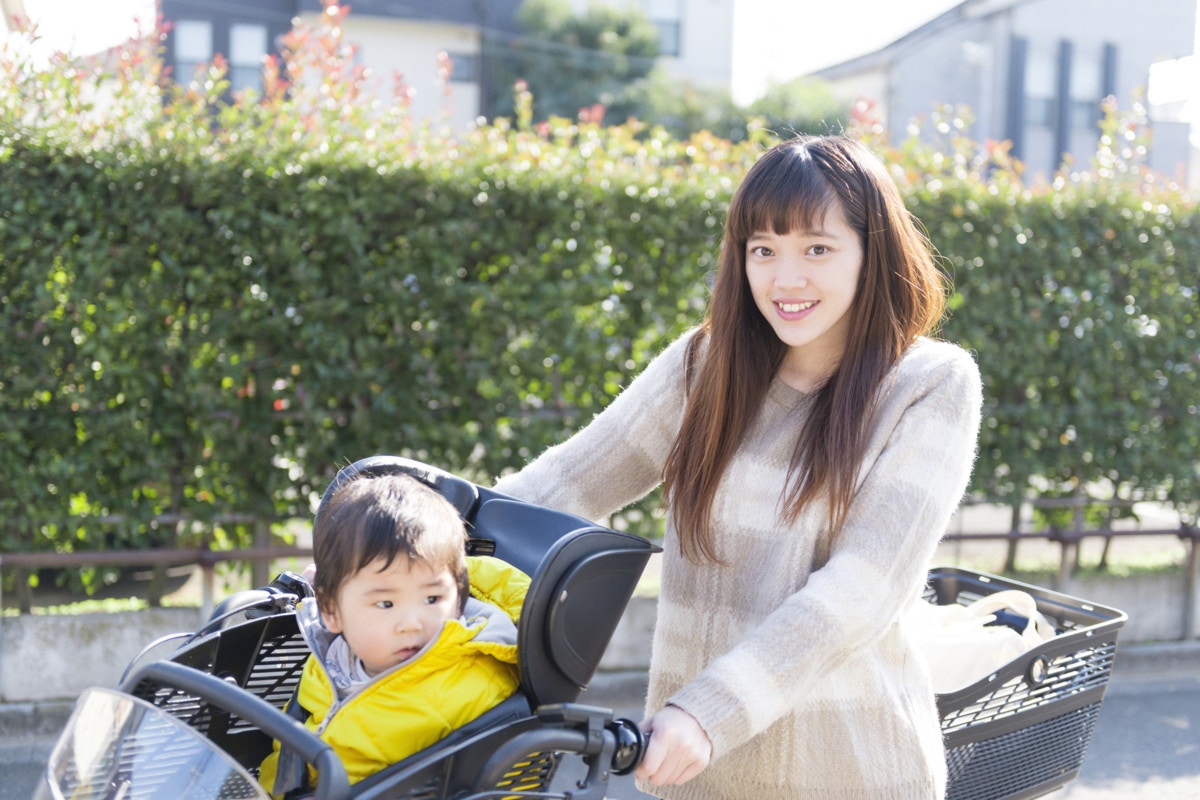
(792, 655)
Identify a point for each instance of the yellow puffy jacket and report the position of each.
(463, 674)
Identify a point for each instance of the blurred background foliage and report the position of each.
(212, 301)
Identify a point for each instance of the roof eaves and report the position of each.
(968, 10)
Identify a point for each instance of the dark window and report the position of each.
(247, 47)
(667, 16)
(193, 47)
(465, 68)
(668, 37)
(1039, 111)
(1085, 113)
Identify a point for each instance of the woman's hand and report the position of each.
(678, 749)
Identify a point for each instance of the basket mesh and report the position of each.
(276, 672)
(185, 707)
(1041, 754)
(1066, 675)
(1024, 731)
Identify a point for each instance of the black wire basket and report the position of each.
(1022, 731)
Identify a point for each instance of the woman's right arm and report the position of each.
(618, 457)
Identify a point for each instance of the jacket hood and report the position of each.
(489, 622)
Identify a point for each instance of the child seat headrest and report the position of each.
(461, 493)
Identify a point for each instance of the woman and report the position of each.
(812, 444)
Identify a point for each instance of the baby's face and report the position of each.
(388, 614)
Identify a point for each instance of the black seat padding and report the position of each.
(574, 605)
(522, 533)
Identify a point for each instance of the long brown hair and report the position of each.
(900, 296)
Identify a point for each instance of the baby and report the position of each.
(410, 637)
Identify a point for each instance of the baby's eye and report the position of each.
(384, 604)
(433, 599)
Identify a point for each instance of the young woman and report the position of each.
(813, 444)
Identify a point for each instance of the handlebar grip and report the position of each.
(631, 745)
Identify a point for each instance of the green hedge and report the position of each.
(211, 309)
(1080, 299)
(210, 319)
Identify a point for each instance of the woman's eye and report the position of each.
(818, 249)
(760, 251)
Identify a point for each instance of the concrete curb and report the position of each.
(1157, 660)
(28, 730)
(22, 721)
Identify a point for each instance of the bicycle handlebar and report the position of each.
(333, 785)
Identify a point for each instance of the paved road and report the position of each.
(1146, 744)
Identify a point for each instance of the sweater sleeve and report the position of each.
(923, 441)
(618, 457)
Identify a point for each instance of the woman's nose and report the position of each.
(791, 276)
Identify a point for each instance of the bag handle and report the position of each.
(1036, 631)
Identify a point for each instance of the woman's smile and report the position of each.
(794, 310)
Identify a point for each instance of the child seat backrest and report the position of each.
(582, 574)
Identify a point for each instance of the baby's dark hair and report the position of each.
(382, 517)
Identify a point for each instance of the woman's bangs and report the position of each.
(788, 196)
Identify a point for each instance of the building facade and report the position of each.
(1033, 72)
(695, 37)
(696, 42)
(402, 39)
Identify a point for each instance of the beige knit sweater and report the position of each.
(793, 655)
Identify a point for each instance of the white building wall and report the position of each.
(870, 84)
(411, 48)
(706, 57)
(953, 69)
(706, 38)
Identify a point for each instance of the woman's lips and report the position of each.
(794, 309)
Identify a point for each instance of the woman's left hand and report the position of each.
(678, 749)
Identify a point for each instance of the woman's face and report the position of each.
(804, 283)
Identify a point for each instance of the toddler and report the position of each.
(411, 638)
